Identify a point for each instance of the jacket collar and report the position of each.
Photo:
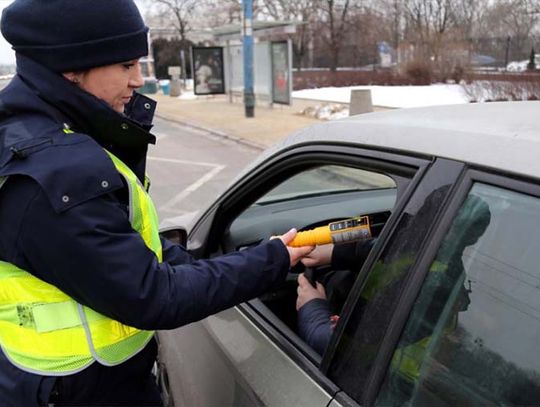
(87, 114)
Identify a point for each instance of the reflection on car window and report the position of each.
(327, 180)
(473, 333)
(364, 331)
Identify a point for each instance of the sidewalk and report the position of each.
(216, 115)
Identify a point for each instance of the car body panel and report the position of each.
(242, 358)
(228, 349)
(494, 135)
(217, 351)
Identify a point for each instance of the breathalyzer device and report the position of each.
(336, 232)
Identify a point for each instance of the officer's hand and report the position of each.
(295, 253)
(306, 292)
(321, 256)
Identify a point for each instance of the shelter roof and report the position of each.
(260, 28)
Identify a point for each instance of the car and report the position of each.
(445, 310)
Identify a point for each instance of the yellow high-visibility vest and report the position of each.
(44, 331)
(407, 360)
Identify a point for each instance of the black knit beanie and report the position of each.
(74, 35)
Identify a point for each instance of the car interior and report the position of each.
(308, 199)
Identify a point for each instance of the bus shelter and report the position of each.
(272, 60)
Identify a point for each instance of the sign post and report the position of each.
(249, 96)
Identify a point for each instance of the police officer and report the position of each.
(84, 276)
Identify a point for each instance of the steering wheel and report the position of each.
(337, 284)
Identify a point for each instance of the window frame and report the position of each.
(203, 238)
(441, 172)
(280, 167)
(454, 201)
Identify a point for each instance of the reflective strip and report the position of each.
(3, 181)
(55, 316)
(62, 366)
(60, 315)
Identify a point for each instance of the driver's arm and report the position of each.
(314, 316)
(347, 256)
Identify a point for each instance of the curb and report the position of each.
(214, 132)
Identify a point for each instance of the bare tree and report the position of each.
(335, 15)
(302, 11)
(177, 12)
(468, 14)
(396, 16)
(392, 11)
(231, 10)
(517, 19)
(222, 12)
(428, 22)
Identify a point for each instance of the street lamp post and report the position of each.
(249, 96)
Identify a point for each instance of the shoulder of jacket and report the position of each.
(70, 167)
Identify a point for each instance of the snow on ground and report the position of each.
(187, 95)
(392, 96)
(326, 111)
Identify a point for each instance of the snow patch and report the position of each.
(185, 95)
(326, 111)
(392, 96)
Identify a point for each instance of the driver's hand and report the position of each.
(295, 253)
(320, 256)
(306, 292)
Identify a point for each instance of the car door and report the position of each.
(252, 354)
(461, 320)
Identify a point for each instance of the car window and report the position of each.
(327, 179)
(307, 199)
(313, 197)
(378, 289)
(472, 337)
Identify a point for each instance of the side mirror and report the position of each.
(175, 235)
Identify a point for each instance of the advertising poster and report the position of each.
(385, 54)
(280, 73)
(208, 70)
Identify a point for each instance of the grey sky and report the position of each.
(6, 53)
(7, 56)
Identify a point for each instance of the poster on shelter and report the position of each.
(281, 75)
(208, 70)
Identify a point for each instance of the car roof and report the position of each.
(500, 135)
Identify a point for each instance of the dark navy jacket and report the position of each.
(314, 317)
(63, 218)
